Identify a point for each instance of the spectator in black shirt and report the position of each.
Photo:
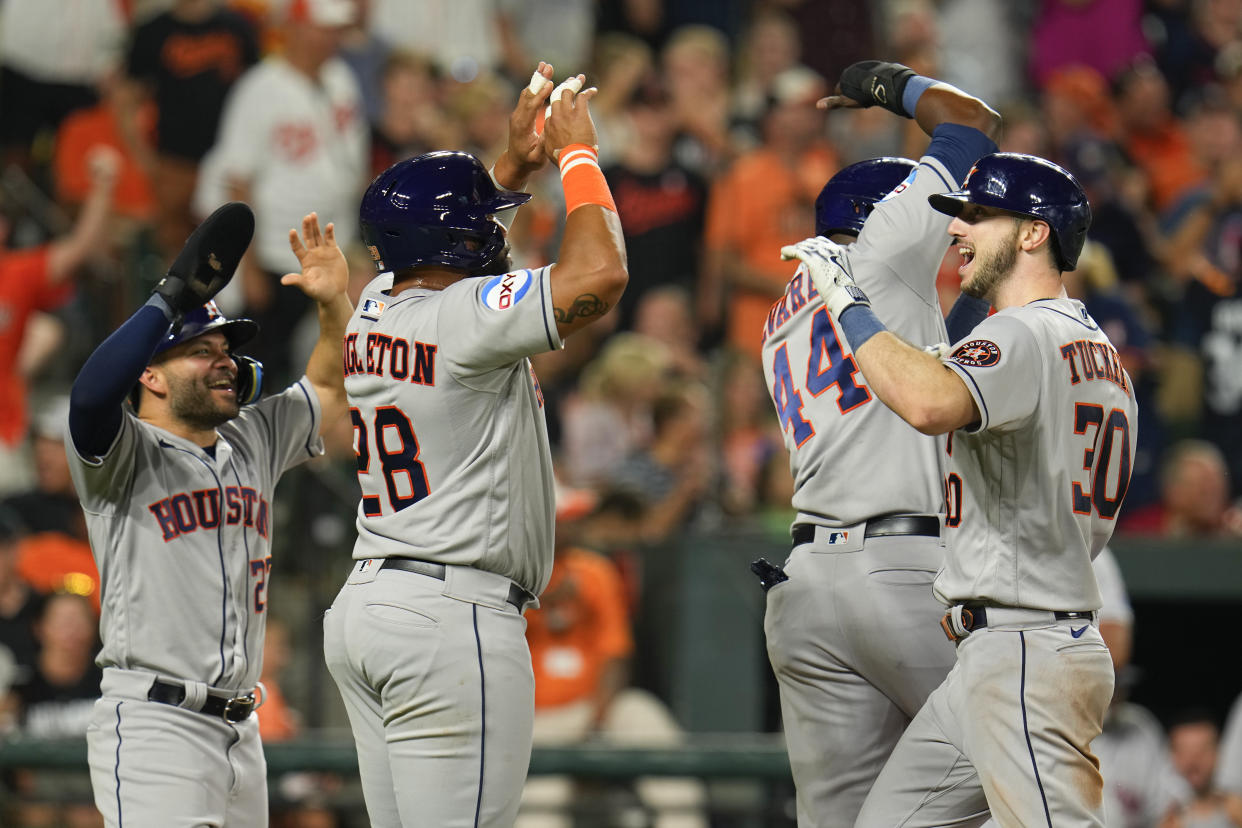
(661, 202)
(187, 59)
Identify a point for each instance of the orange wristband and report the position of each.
(582, 179)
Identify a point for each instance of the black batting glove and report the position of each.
(208, 260)
(877, 83)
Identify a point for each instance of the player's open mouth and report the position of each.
(221, 385)
(968, 255)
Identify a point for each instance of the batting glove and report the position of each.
(207, 261)
(829, 268)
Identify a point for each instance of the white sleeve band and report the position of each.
(505, 217)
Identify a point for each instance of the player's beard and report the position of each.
(194, 402)
(993, 267)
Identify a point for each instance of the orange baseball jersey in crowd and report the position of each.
(759, 206)
(582, 624)
(24, 288)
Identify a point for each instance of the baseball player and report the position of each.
(426, 640)
(852, 626)
(178, 500)
(1040, 414)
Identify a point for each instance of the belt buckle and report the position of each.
(234, 706)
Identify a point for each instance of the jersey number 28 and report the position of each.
(405, 478)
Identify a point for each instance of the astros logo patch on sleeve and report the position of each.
(503, 292)
(977, 353)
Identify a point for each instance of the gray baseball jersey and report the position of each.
(853, 635)
(1035, 487)
(449, 425)
(455, 469)
(182, 539)
(830, 418)
(1033, 492)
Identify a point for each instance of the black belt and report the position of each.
(978, 616)
(518, 597)
(230, 710)
(885, 527)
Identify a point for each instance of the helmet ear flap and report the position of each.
(249, 379)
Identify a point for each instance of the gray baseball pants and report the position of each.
(854, 640)
(436, 678)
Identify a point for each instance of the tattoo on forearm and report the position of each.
(588, 304)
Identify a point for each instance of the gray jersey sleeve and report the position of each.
(493, 322)
(104, 483)
(284, 424)
(1001, 365)
(1229, 770)
(900, 234)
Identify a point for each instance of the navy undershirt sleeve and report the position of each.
(966, 313)
(958, 147)
(95, 403)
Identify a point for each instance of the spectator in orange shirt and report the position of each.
(39, 278)
(1154, 137)
(764, 201)
(84, 129)
(580, 647)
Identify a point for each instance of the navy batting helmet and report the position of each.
(435, 209)
(850, 195)
(1031, 187)
(207, 318)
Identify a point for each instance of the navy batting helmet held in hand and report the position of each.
(850, 195)
(435, 209)
(1032, 187)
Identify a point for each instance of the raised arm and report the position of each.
(324, 278)
(898, 89)
(915, 384)
(68, 253)
(200, 271)
(590, 272)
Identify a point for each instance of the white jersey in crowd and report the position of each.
(302, 145)
(182, 538)
(454, 460)
(829, 416)
(1034, 488)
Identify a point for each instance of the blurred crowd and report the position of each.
(123, 122)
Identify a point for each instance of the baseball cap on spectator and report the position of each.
(322, 12)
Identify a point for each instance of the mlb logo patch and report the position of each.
(372, 308)
(365, 566)
(835, 538)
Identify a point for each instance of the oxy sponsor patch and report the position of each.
(977, 353)
(503, 292)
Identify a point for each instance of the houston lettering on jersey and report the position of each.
(182, 513)
(391, 356)
(1094, 361)
(798, 293)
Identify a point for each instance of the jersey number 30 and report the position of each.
(405, 478)
(827, 367)
(1098, 460)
